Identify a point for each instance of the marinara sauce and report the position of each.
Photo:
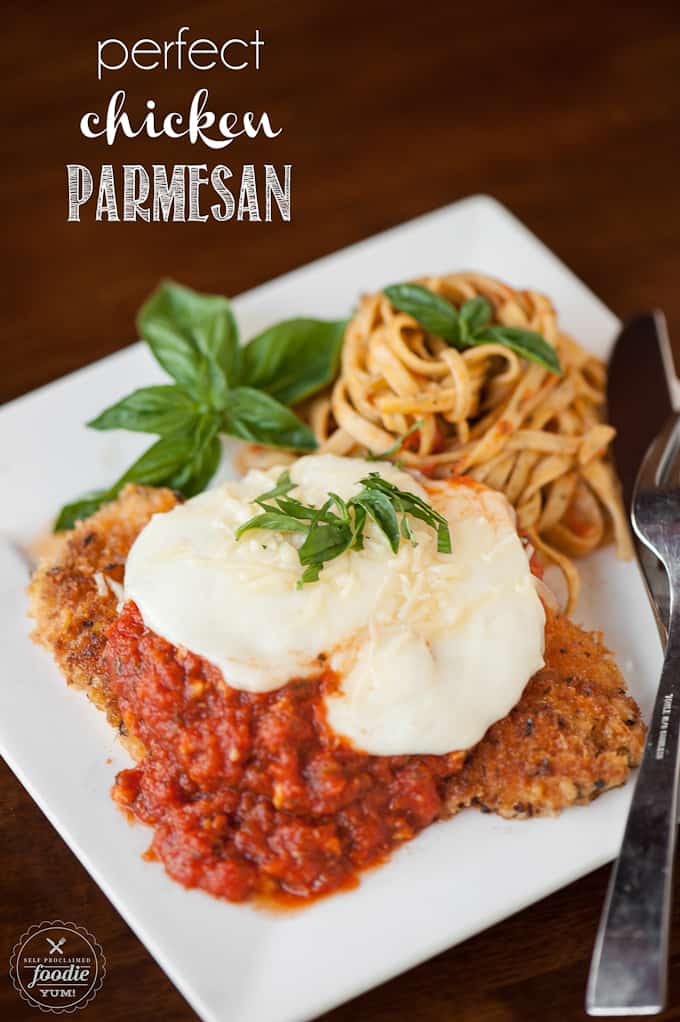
(254, 794)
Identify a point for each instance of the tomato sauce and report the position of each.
(253, 795)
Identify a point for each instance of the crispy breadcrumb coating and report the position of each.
(574, 733)
(70, 599)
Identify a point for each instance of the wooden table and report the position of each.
(569, 114)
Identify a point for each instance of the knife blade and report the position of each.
(642, 392)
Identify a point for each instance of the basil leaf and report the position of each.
(310, 574)
(195, 339)
(435, 521)
(475, 313)
(293, 515)
(258, 418)
(525, 343)
(381, 510)
(443, 539)
(149, 410)
(295, 509)
(199, 468)
(406, 530)
(78, 510)
(283, 485)
(432, 311)
(325, 543)
(293, 359)
(160, 462)
(397, 445)
(358, 530)
(410, 503)
(342, 506)
(182, 460)
(271, 520)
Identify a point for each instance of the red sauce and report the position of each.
(253, 794)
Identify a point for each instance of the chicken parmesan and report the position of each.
(294, 720)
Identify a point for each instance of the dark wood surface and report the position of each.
(567, 113)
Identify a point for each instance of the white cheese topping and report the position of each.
(430, 649)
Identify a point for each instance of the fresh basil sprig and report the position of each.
(470, 325)
(338, 525)
(218, 387)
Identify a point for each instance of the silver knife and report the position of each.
(642, 392)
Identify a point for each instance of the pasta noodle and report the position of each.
(484, 412)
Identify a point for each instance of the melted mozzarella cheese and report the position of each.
(430, 649)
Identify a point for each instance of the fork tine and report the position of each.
(649, 474)
(669, 465)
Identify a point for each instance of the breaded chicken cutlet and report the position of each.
(574, 733)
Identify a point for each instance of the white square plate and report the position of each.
(455, 879)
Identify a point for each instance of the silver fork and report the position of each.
(628, 973)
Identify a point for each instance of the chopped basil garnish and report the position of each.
(397, 445)
(338, 525)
